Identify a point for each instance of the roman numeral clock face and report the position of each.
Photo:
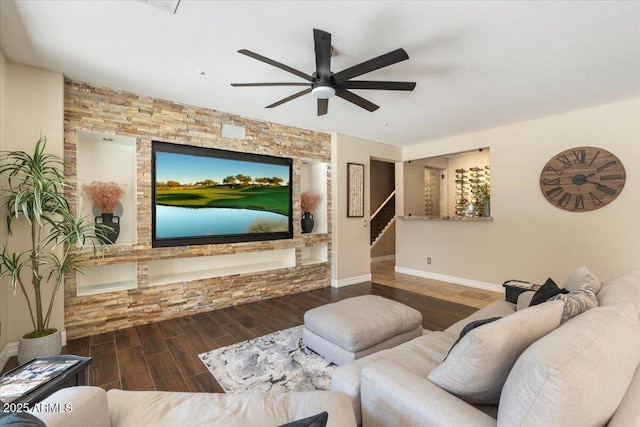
(582, 179)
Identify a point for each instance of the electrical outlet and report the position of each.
(429, 260)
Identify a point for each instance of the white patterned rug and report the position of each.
(276, 362)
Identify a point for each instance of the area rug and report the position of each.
(277, 362)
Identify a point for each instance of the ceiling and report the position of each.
(477, 64)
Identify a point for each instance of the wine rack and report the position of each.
(472, 191)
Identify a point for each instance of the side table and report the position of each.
(513, 289)
(34, 381)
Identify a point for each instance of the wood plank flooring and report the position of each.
(164, 355)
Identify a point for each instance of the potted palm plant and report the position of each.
(33, 191)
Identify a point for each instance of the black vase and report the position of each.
(109, 226)
(307, 222)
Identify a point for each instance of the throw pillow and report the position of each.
(577, 302)
(577, 374)
(579, 277)
(621, 289)
(478, 366)
(546, 292)
(318, 420)
(469, 327)
(20, 419)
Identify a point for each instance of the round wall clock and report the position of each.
(582, 179)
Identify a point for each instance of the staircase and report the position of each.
(383, 218)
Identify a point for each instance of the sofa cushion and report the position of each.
(158, 408)
(580, 371)
(577, 302)
(419, 355)
(628, 412)
(621, 290)
(524, 299)
(546, 292)
(477, 367)
(579, 277)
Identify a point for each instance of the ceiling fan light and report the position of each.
(323, 92)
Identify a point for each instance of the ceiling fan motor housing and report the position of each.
(322, 89)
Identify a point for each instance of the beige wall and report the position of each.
(351, 257)
(530, 239)
(33, 99)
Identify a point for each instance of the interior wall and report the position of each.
(33, 100)
(351, 256)
(530, 239)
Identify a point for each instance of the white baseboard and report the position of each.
(11, 349)
(451, 279)
(337, 283)
(383, 258)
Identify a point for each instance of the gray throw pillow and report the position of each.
(471, 326)
(579, 277)
(20, 419)
(318, 420)
(546, 292)
(577, 302)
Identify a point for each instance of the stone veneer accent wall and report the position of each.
(89, 108)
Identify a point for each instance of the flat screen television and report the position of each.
(207, 196)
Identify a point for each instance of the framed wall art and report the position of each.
(355, 190)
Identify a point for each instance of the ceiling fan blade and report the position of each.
(364, 84)
(268, 84)
(322, 41)
(323, 106)
(289, 98)
(371, 65)
(275, 64)
(355, 99)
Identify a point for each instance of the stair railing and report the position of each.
(382, 205)
(375, 236)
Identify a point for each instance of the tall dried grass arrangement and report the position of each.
(104, 195)
(309, 200)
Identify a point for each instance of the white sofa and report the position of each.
(87, 406)
(586, 372)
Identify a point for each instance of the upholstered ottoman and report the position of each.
(347, 330)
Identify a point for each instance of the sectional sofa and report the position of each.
(525, 368)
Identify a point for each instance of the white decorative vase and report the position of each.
(29, 349)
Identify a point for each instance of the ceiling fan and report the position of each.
(323, 83)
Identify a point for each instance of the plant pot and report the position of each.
(307, 222)
(113, 223)
(29, 349)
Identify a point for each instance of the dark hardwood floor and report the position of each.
(164, 355)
